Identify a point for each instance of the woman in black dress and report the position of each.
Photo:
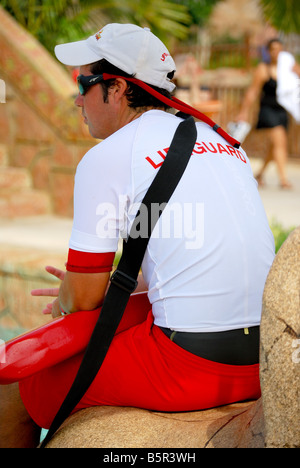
(272, 116)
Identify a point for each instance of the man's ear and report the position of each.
(118, 90)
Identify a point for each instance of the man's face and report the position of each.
(98, 115)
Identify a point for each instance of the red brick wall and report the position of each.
(41, 131)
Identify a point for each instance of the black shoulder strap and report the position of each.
(124, 279)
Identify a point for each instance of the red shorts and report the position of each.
(143, 369)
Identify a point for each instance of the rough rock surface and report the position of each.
(234, 426)
(280, 347)
(272, 421)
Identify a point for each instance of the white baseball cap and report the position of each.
(133, 49)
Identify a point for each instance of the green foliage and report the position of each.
(283, 14)
(198, 9)
(280, 233)
(50, 21)
(58, 21)
(165, 18)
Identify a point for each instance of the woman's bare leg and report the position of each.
(267, 160)
(17, 429)
(279, 142)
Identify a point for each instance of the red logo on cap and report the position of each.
(98, 35)
(164, 56)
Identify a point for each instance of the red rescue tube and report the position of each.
(59, 340)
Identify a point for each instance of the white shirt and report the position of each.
(210, 252)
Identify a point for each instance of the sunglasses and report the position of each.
(85, 82)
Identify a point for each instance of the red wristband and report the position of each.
(89, 262)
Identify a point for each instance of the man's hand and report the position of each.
(78, 291)
(53, 307)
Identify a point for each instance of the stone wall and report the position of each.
(42, 135)
(21, 271)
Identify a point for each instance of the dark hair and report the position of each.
(136, 96)
(273, 41)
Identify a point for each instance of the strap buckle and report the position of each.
(123, 281)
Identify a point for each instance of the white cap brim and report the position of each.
(76, 54)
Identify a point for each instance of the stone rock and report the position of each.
(280, 347)
(233, 426)
(272, 421)
(14, 178)
(24, 202)
(23, 269)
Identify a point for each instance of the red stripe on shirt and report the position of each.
(87, 262)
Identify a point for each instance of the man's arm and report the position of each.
(78, 291)
(82, 291)
(296, 69)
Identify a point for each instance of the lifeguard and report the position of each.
(189, 350)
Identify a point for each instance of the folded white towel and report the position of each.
(239, 130)
(288, 85)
